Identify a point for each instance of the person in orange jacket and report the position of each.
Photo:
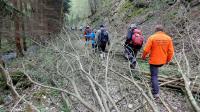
(160, 48)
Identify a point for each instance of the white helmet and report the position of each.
(133, 26)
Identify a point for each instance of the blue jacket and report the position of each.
(92, 36)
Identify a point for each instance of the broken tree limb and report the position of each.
(61, 90)
(172, 82)
(187, 84)
(151, 103)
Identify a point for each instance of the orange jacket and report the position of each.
(160, 47)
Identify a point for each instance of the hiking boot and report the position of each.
(156, 96)
(132, 66)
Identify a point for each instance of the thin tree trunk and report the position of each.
(23, 27)
(0, 40)
(61, 13)
(17, 32)
(1, 24)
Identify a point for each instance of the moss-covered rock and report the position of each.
(18, 78)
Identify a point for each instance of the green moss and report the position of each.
(6, 46)
(9, 44)
(130, 10)
(144, 66)
(137, 12)
(127, 5)
(165, 70)
(2, 110)
(2, 82)
(1, 100)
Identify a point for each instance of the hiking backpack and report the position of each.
(103, 37)
(137, 38)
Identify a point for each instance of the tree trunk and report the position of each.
(23, 27)
(92, 7)
(61, 13)
(1, 24)
(17, 32)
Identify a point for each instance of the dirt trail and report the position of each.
(175, 100)
(124, 93)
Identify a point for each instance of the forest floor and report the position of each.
(42, 64)
(46, 100)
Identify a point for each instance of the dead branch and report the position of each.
(59, 89)
(153, 106)
(96, 94)
(187, 85)
(17, 103)
(165, 104)
(9, 82)
(16, 95)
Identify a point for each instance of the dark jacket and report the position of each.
(99, 38)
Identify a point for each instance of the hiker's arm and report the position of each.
(147, 48)
(170, 51)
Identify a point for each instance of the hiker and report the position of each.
(160, 48)
(137, 41)
(128, 41)
(130, 32)
(87, 34)
(102, 40)
(133, 44)
(92, 37)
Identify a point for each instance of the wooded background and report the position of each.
(21, 20)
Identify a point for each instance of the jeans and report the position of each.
(154, 78)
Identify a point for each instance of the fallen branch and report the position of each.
(58, 89)
(152, 104)
(16, 95)
(187, 85)
(165, 105)
(177, 83)
(9, 83)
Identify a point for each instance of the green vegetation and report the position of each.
(130, 10)
(166, 70)
(6, 46)
(2, 110)
(7, 8)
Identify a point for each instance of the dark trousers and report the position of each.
(93, 45)
(87, 39)
(131, 55)
(154, 78)
(102, 47)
